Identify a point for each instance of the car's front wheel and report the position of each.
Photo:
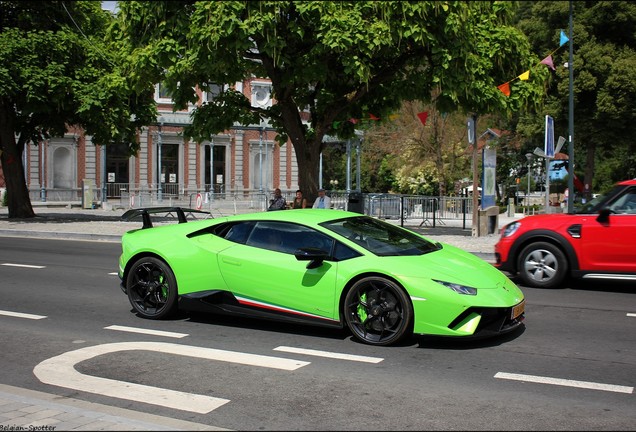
(542, 265)
(152, 288)
(378, 311)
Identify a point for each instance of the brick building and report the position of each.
(242, 160)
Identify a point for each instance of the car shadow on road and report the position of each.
(418, 341)
(218, 319)
(469, 342)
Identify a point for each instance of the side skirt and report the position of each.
(224, 302)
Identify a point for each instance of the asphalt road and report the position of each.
(573, 366)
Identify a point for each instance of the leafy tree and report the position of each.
(604, 86)
(329, 61)
(57, 72)
(439, 148)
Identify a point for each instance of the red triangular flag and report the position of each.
(505, 88)
(423, 116)
(372, 117)
(354, 121)
(578, 184)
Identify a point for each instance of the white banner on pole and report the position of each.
(549, 137)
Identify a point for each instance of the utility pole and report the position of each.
(472, 139)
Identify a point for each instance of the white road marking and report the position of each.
(631, 314)
(113, 274)
(22, 315)
(565, 382)
(146, 331)
(23, 265)
(328, 354)
(60, 371)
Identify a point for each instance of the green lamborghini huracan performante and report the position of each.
(324, 267)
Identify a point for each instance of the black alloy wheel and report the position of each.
(378, 311)
(152, 288)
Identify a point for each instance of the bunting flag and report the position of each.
(578, 184)
(372, 117)
(505, 88)
(393, 116)
(548, 62)
(423, 116)
(564, 39)
(353, 120)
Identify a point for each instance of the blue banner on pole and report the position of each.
(549, 137)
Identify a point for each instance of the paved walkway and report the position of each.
(22, 409)
(74, 223)
(28, 410)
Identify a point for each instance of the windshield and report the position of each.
(594, 205)
(381, 238)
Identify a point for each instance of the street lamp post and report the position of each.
(529, 157)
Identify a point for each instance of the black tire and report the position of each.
(152, 288)
(542, 265)
(378, 311)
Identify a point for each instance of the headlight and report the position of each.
(459, 289)
(510, 229)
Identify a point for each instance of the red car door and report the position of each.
(609, 246)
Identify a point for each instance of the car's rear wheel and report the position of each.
(152, 288)
(378, 311)
(542, 265)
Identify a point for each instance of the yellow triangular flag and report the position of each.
(525, 76)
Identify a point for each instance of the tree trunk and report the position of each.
(18, 200)
(307, 158)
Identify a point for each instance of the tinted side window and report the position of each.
(343, 252)
(239, 232)
(287, 237)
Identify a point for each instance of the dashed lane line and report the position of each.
(328, 354)
(146, 331)
(23, 265)
(22, 315)
(565, 382)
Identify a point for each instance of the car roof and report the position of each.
(631, 182)
(307, 216)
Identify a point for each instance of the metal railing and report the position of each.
(407, 209)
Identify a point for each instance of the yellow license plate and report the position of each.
(518, 310)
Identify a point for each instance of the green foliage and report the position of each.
(329, 61)
(60, 69)
(604, 84)
(66, 74)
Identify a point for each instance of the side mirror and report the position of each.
(603, 215)
(315, 256)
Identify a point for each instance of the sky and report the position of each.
(109, 5)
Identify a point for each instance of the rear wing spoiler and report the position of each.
(182, 214)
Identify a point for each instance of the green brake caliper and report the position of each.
(362, 310)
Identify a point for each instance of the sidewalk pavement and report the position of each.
(72, 223)
(22, 409)
(28, 410)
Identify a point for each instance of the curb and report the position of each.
(114, 238)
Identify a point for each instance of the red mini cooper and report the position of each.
(598, 241)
